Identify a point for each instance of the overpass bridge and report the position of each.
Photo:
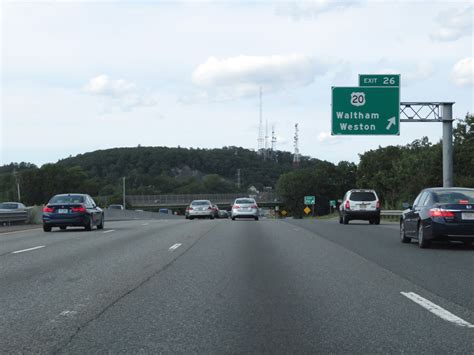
(264, 199)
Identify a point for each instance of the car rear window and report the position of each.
(455, 196)
(67, 199)
(244, 201)
(362, 196)
(200, 203)
(8, 206)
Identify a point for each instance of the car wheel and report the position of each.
(371, 221)
(47, 228)
(88, 226)
(345, 219)
(340, 219)
(403, 236)
(62, 227)
(233, 218)
(191, 218)
(256, 218)
(377, 221)
(422, 242)
(101, 225)
(211, 217)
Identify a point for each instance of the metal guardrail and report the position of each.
(12, 216)
(391, 212)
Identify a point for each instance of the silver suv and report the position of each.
(360, 204)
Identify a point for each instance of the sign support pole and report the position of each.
(447, 145)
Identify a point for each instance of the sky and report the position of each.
(78, 76)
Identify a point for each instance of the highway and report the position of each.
(227, 286)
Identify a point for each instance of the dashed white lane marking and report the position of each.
(437, 310)
(29, 249)
(145, 224)
(175, 246)
(109, 231)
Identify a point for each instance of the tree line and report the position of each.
(397, 173)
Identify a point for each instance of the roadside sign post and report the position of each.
(309, 201)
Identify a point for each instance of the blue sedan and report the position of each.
(72, 210)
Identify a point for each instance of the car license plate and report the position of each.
(362, 207)
(467, 216)
(62, 211)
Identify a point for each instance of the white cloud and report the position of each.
(463, 72)
(326, 137)
(118, 93)
(311, 8)
(243, 75)
(454, 24)
(422, 71)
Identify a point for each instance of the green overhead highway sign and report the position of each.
(365, 111)
(383, 80)
(309, 200)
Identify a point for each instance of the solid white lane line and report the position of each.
(109, 231)
(29, 249)
(175, 246)
(437, 310)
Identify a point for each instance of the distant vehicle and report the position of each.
(200, 209)
(360, 204)
(72, 210)
(439, 214)
(246, 208)
(215, 209)
(116, 207)
(12, 206)
(223, 214)
(164, 210)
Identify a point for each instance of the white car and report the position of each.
(361, 204)
(200, 209)
(245, 207)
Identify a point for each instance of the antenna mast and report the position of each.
(296, 155)
(260, 128)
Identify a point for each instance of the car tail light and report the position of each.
(377, 205)
(235, 207)
(189, 208)
(463, 202)
(347, 206)
(210, 208)
(78, 209)
(48, 209)
(438, 212)
(254, 206)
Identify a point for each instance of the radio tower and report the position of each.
(296, 155)
(260, 129)
(274, 140)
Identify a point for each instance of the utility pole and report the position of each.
(238, 179)
(124, 192)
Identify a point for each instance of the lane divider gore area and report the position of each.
(109, 231)
(29, 249)
(175, 246)
(437, 310)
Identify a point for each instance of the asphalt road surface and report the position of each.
(227, 286)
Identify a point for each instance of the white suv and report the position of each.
(360, 204)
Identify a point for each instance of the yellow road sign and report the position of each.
(307, 210)
(284, 213)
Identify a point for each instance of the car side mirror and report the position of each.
(406, 205)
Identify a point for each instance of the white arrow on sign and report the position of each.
(391, 122)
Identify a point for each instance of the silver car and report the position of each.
(200, 209)
(246, 208)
